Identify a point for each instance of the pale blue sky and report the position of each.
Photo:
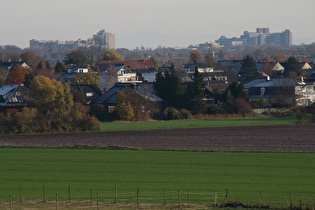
(22, 20)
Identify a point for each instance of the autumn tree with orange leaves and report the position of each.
(16, 75)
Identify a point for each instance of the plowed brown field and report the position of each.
(290, 138)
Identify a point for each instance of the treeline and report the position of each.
(51, 109)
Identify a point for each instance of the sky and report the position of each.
(152, 23)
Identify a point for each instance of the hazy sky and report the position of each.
(194, 20)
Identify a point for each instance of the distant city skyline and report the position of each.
(137, 23)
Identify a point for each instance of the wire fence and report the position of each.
(140, 198)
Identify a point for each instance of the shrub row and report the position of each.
(30, 120)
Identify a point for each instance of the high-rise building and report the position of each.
(104, 39)
(261, 37)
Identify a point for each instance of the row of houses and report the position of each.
(139, 75)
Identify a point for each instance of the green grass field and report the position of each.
(245, 175)
(154, 125)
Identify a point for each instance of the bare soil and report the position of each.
(288, 138)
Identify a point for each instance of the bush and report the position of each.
(156, 115)
(216, 109)
(30, 120)
(258, 103)
(186, 114)
(243, 107)
(172, 114)
(125, 111)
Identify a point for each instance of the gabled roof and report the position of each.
(235, 65)
(83, 87)
(305, 65)
(8, 97)
(6, 92)
(134, 64)
(277, 83)
(254, 82)
(110, 96)
(9, 64)
(278, 67)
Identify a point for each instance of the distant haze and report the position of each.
(147, 23)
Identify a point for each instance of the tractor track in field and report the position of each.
(282, 138)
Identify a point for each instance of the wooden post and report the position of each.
(227, 195)
(215, 200)
(69, 193)
(87, 194)
(10, 199)
(262, 199)
(291, 201)
(115, 193)
(21, 193)
(56, 201)
(188, 196)
(44, 193)
(98, 198)
(211, 197)
(137, 197)
(178, 199)
(164, 196)
(91, 194)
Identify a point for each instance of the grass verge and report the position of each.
(203, 123)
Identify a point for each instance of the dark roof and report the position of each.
(134, 64)
(85, 86)
(13, 95)
(110, 96)
(9, 65)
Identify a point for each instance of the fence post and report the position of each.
(44, 193)
(188, 196)
(56, 201)
(178, 199)
(215, 200)
(291, 201)
(137, 197)
(69, 193)
(211, 197)
(21, 193)
(98, 198)
(262, 199)
(164, 196)
(227, 195)
(87, 194)
(91, 194)
(115, 193)
(10, 199)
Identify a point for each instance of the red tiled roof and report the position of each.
(134, 64)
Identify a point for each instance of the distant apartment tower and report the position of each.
(104, 39)
(58, 44)
(261, 37)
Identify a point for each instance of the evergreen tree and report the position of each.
(248, 70)
(59, 67)
(195, 94)
(292, 68)
(168, 87)
(40, 66)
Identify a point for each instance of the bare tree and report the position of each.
(94, 52)
(110, 76)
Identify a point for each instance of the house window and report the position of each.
(262, 91)
(89, 94)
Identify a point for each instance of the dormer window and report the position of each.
(90, 94)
